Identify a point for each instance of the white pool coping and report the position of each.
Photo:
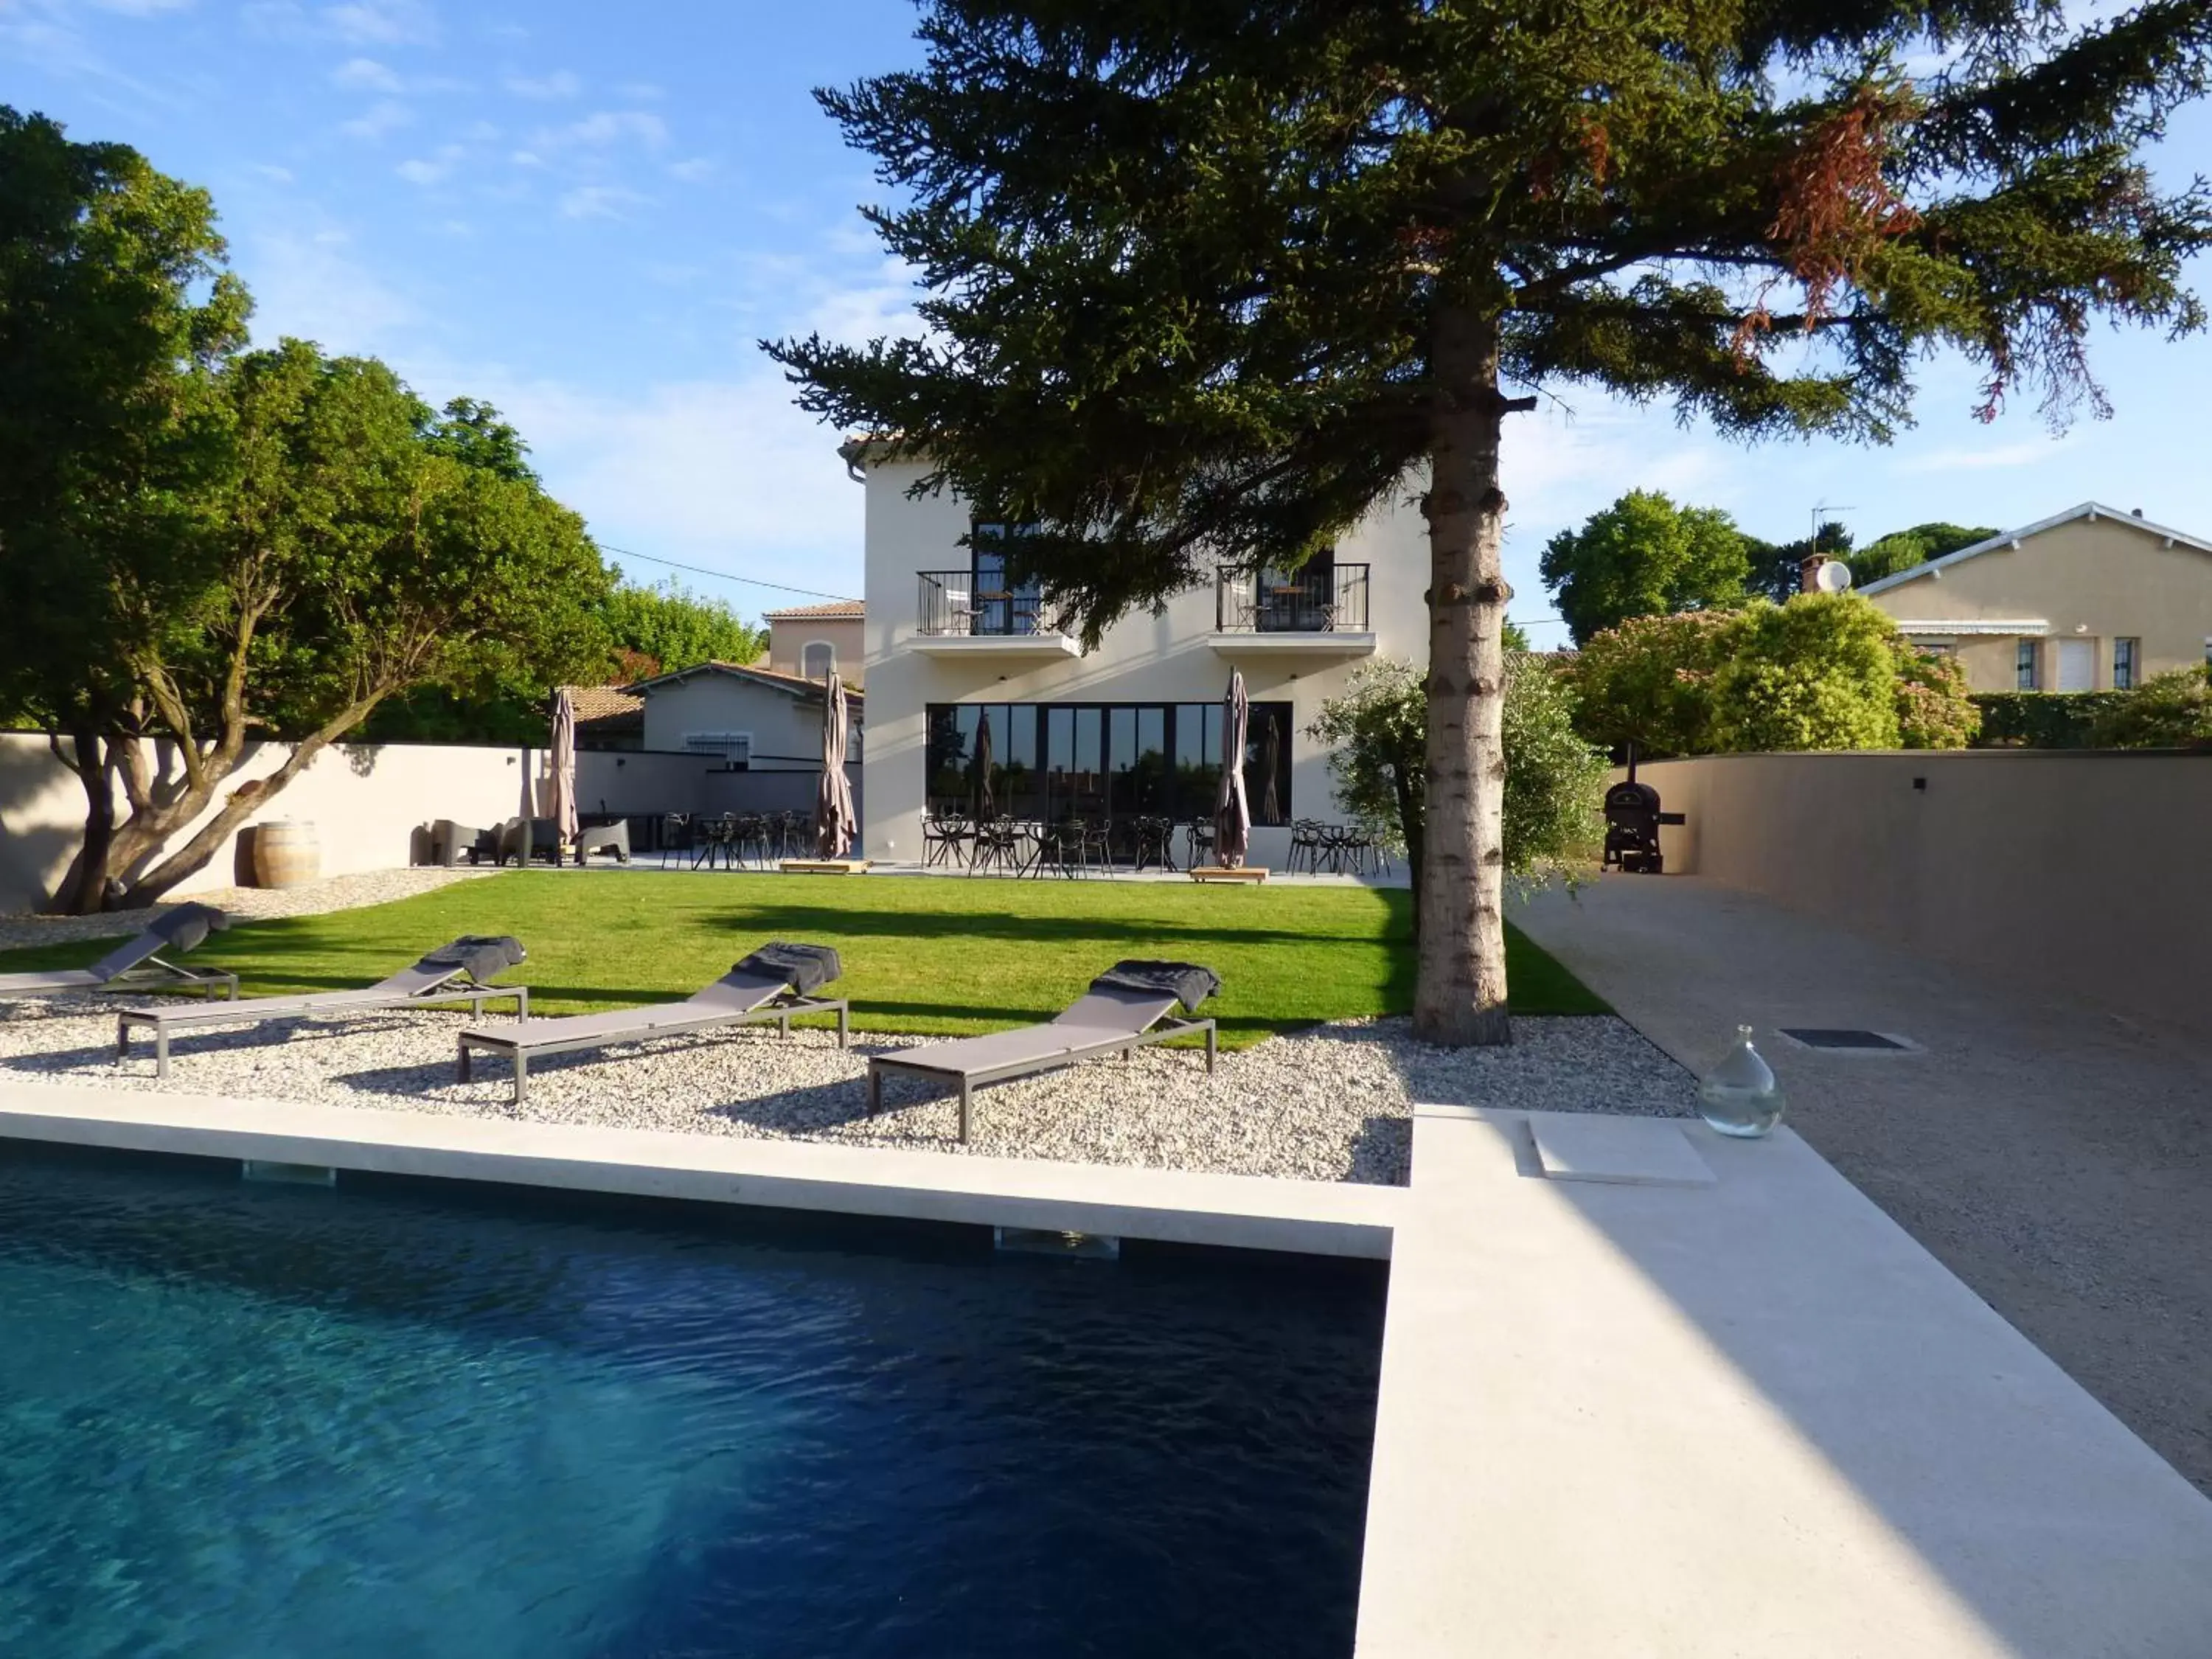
(1313, 1217)
(1753, 1417)
(1619, 1416)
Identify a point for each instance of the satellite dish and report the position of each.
(1833, 577)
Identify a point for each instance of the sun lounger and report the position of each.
(453, 973)
(774, 982)
(137, 964)
(1128, 1006)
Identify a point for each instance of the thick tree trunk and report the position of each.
(1459, 994)
(84, 888)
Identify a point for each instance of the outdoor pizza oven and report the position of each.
(1632, 817)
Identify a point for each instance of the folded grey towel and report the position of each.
(802, 967)
(1189, 983)
(188, 924)
(482, 956)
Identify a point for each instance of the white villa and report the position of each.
(1133, 726)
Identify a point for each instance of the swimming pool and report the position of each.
(391, 1419)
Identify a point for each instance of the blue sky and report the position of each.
(589, 213)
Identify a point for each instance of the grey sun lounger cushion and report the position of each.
(1185, 982)
(482, 956)
(802, 967)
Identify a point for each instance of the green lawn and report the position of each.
(920, 956)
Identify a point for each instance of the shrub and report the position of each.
(1554, 781)
(1648, 682)
(2173, 710)
(2040, 719)
(1819, 672)
(1934, 709)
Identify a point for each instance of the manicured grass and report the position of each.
(920, 955)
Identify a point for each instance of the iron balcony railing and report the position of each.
(1321, 598)
(952, 602)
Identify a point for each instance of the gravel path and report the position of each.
(1332, 1104)
(246, 904)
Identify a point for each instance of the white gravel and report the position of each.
(1332, 1103)
(310, 898)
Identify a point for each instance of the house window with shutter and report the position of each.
(2023, 665)
(2124, 664)
(818, 660)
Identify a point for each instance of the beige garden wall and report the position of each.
(366, 801)
(2084, 873)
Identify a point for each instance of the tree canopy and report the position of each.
(1644, 556)
(1208, 283)
(212, 546)
(660, 629)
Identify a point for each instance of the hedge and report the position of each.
(2041, 720)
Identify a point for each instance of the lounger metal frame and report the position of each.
(1126, 1043)
(518, 1047)
(135, 978)
(335, 1005)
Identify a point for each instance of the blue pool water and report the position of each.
(246, 1420)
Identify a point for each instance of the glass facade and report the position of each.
(2124, 665)
(1046, 761)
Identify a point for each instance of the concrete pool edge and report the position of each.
(1312, 1217)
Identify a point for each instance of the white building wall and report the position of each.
(1171, 658)
(786, 730)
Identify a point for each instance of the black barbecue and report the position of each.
(1632, 819)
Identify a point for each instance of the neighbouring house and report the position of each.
(814, 639)
(747, 718)
(2091, 599)
(608, 717)
(1133, 726)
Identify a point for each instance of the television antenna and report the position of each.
(1821, 509)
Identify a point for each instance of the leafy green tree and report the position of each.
(115, 309)
(343, 557)
(661, 629)
(1645, 557)
(1554, 781)
(2173, 710)
(1210, 283)
(1901, 549)
(1648, 682)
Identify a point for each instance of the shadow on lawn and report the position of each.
(800, 921)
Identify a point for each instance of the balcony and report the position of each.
(1318, 611)
(959, 619)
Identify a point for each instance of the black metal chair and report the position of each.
(1306, 843)
(679, 830)
(945, 837)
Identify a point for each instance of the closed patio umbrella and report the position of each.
(564, 766)
(986, 807)
(1271, 760)
(1232, 818)
(834, 828)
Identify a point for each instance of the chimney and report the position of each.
(1809, 571)
(2136, 511)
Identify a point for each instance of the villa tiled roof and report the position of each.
(797, 684)
(607, 709)
(854, 609)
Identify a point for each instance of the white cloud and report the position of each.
(523, 158)
(559, 84)
(599, 202)
(380, 118)
(420, 172)
(367, 74)
(139, 7)
(727, 474)
(380, 23)
(306, 284)
(274, 173)
(643, 92)
(605, 127)
(693, 170)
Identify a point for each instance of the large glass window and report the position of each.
(1047, 761)
(2023, 666)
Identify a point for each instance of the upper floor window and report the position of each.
(818, 660)
(2023, 661)
(1000, 605)
(2124, 664)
